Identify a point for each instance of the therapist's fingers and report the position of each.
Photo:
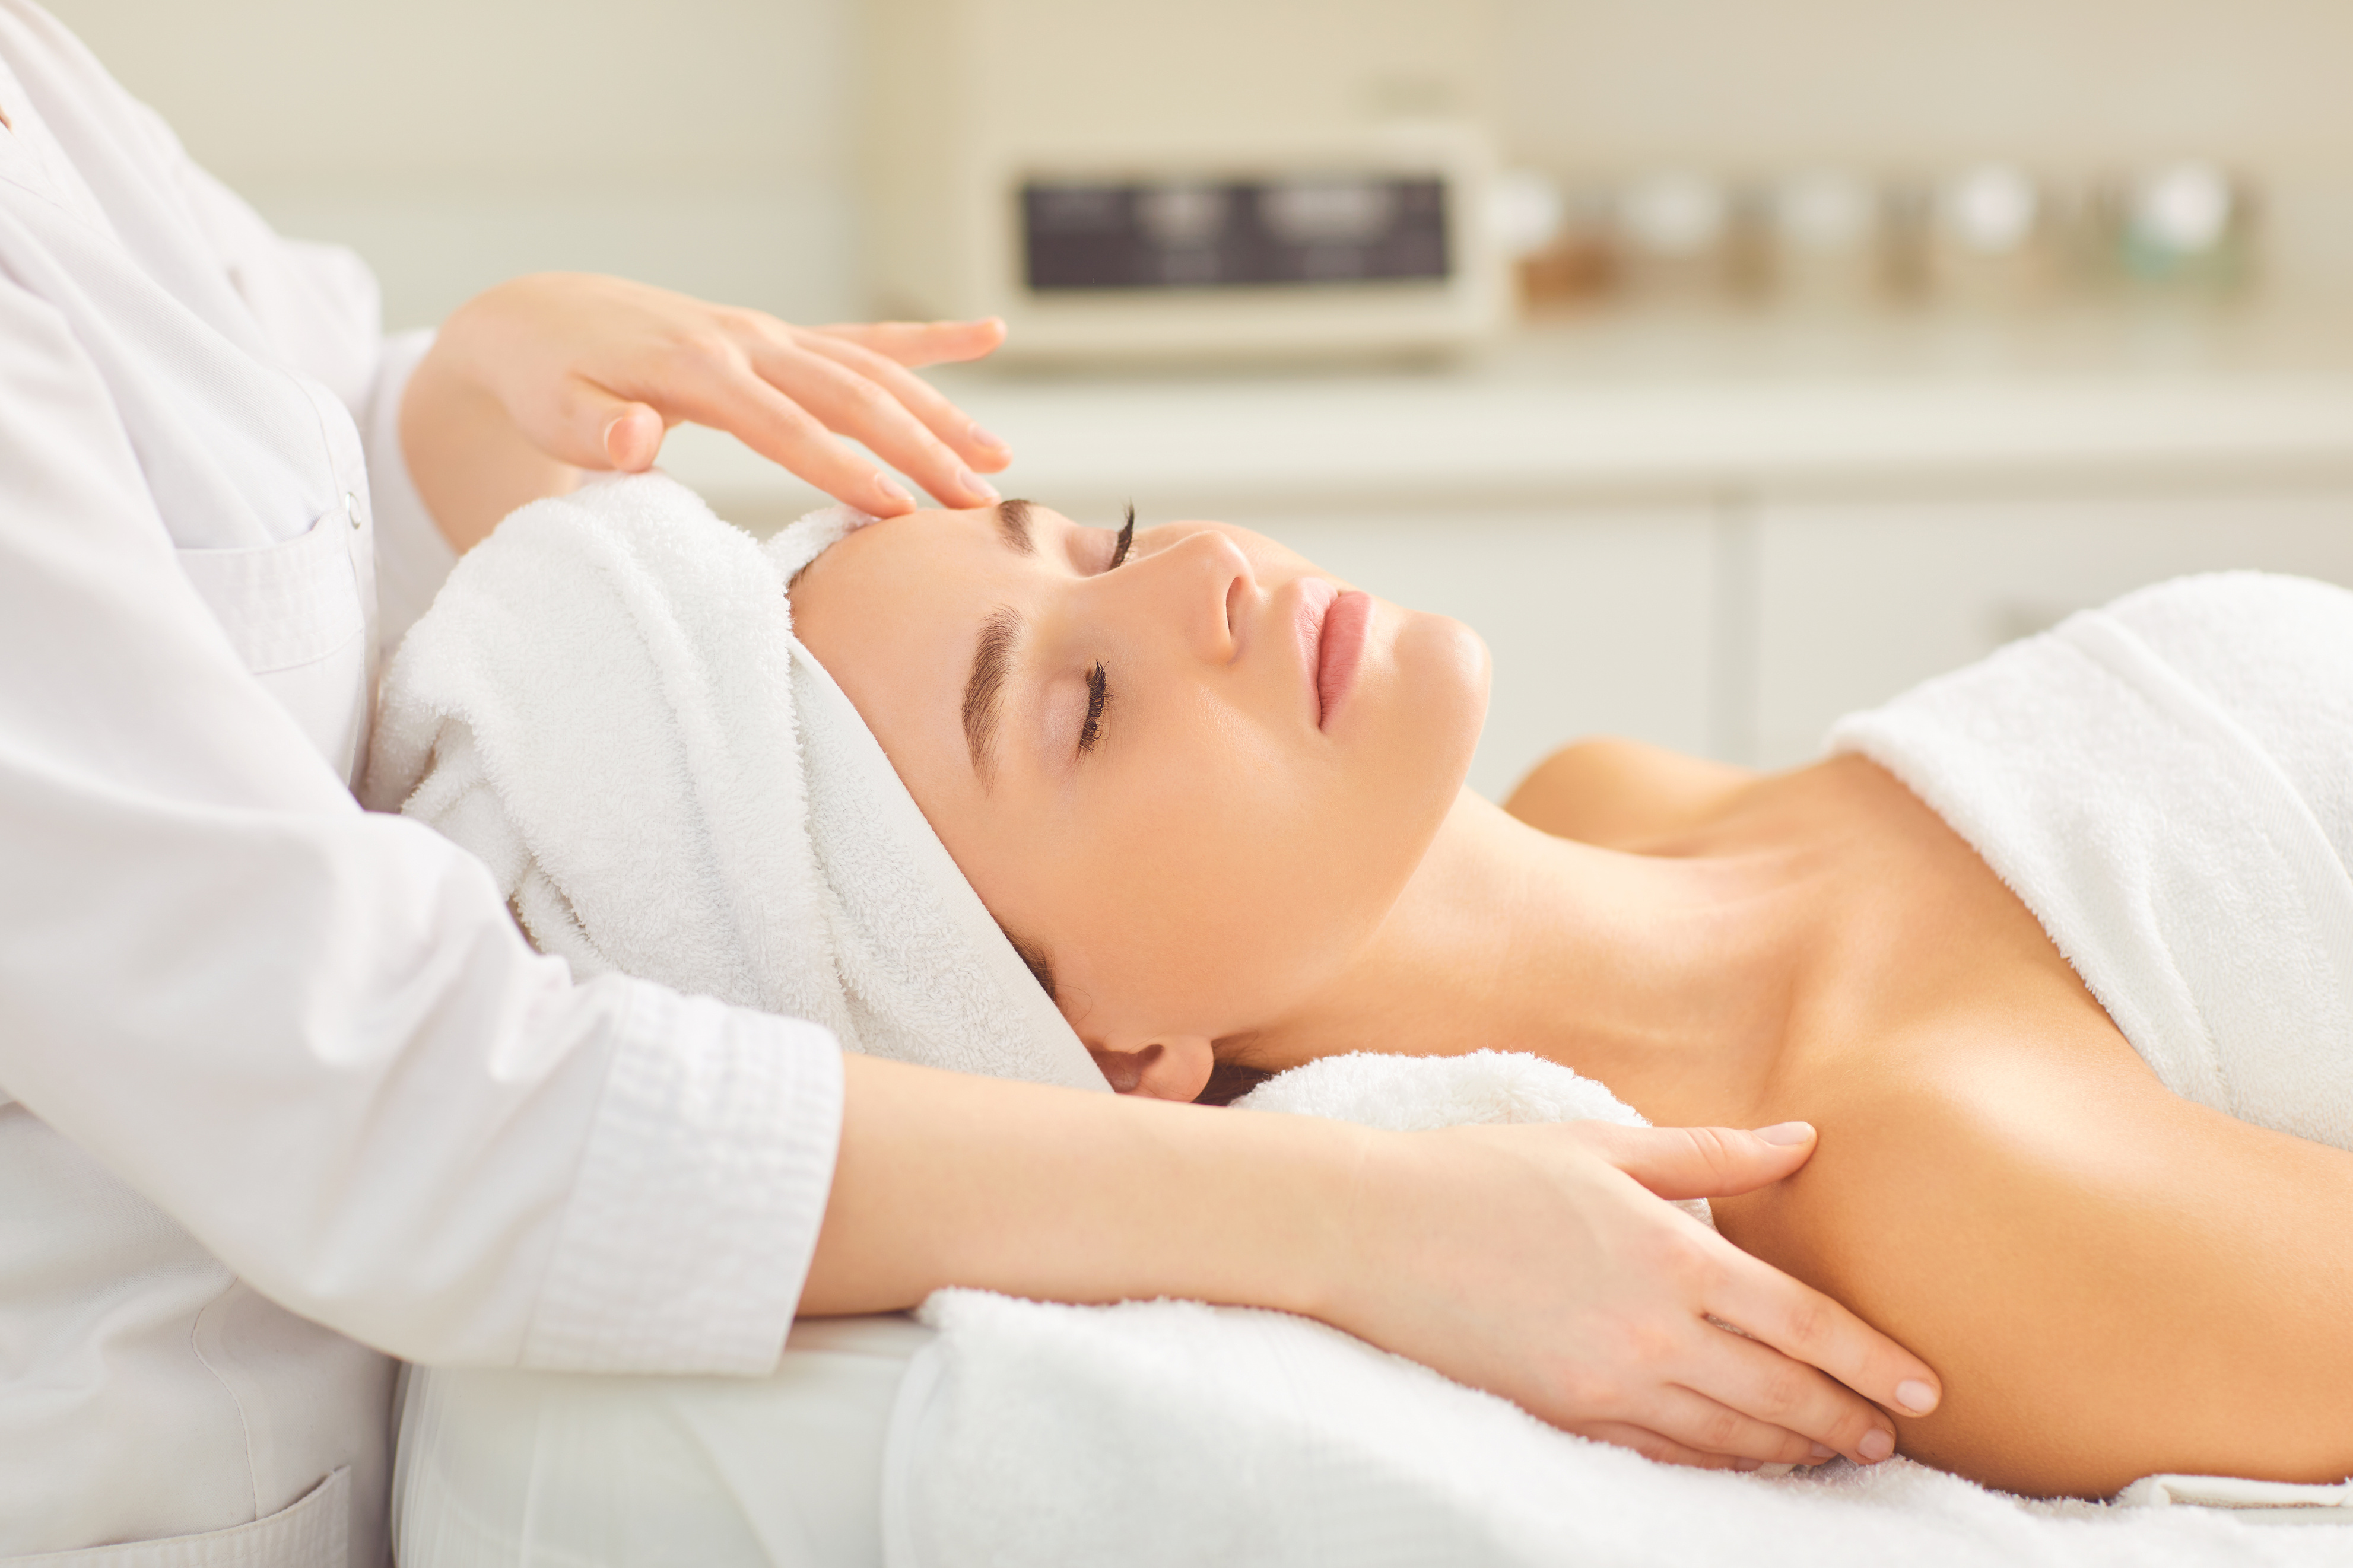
(734, 399)
(918, 343)
(850, 403)
(965, 436)
(594, 427)
(1657, 1446)
(1704, 1162)
(1807, 1326)
(1712, 1426)
(1760, 1384)
(1801, 1322)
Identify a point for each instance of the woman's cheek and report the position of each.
(1217, 907)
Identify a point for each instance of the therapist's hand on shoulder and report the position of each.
(1626, 1294)
(541, 377)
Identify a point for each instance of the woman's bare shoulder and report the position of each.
(2111, 1280)
(1624, 794)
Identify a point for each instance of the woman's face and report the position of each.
(1191, 784)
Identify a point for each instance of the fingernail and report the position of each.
(975, 484)
(1746, 1464)
(1786, 1132)
(1916, 1397)
(1824, 1451)
(1876, 1445)
(891, 488)
(988, 438)
(613, 428)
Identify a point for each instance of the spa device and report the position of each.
(1225, 178)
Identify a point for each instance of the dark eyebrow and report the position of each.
(984, 693)
(1013, 525)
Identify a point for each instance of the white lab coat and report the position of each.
(281, 1088)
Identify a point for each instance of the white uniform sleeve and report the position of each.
(311, 1034)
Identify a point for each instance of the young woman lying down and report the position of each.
(1216, 800)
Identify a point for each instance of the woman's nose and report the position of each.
(1202, 585)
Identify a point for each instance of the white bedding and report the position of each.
(1169, 1433)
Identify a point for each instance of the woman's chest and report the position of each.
(1921, 958)
(1929, 981)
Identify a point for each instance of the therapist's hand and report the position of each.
(539, 378)
(1627, 1286)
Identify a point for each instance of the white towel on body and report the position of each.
(607, 706)
(2168, 783)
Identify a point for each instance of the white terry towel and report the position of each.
(606, 704)
(2168, 783)
(1160, 1433)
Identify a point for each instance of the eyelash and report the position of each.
(1098, 693)
(1126, 538)
(1098, 682)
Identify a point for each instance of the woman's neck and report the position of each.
(1670, 979)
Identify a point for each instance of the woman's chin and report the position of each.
(1442, 672)
(1416, 737)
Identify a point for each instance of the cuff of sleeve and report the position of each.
(411, 555)
(702, 1189)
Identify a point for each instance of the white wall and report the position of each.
(702, 145)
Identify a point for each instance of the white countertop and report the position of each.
(1675, 406)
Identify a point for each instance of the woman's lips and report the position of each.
(1340, 648)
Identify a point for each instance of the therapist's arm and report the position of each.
(535, 381)
(1537, 1262)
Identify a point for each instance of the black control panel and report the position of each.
(1217, 233)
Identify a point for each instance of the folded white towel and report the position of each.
(606, 704)
(1413, 1094)
(2256, 1502)
(2168, 783)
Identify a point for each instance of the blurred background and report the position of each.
(1729, 363)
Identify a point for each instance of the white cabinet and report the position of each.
(1601, 620)
(1853, 601)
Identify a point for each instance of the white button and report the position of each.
(352, 507)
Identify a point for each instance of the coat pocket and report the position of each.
(314, 1532)
(298, 614)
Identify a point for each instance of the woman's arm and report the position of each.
(1531, 1261)
(2115, 1281)
(533, 382)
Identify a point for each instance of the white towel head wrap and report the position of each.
(607, 706)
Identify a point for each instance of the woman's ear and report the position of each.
(1174, 1066)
